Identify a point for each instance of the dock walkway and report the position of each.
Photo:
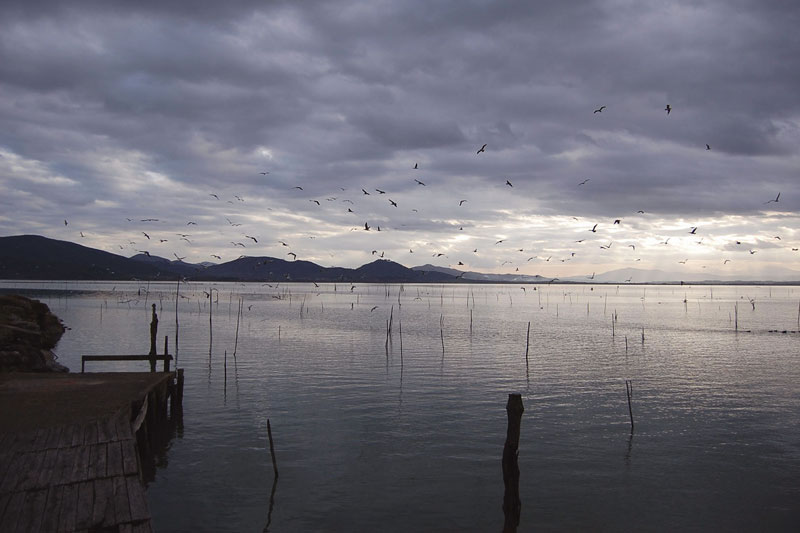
(69, 458)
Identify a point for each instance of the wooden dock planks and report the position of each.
(81, 476)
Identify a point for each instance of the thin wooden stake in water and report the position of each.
(528, 341)
(736, 316)
(629, 392)
(177, 298)
(441, 331)
(238, 317)
(272, 450)
(153, 334)
(511, 501)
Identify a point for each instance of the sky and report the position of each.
(212, 130)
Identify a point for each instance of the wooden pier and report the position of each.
(75, 448)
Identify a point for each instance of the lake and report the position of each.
(407, 435)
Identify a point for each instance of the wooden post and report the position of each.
(511, 501)
(153, 335)
(272, 450)
(629, 392)
(166, 353)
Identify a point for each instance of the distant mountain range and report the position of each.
(34, 257)
(38, 258)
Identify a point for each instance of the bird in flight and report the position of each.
(380, 191)
(668, 109)
(775, 200)
(315, 201)
(693, 232)
(178, 257)
(283, 243)
(294, 255)
(508, 183)
(633, 246)
(708, 147)
(481, 149)
(297, 187)
(418, 182)
(215, 255)
(253, 238)
(584, 182)
(600, 109)
(190, 223)
(392, 202)
(726, 261)
(366, 226)
(365, 192)
(461, 202)
(617, 221)
(238, 244)
(214, 195)
(145, 252)
(501, 240)
(264, 173)
(146, 235)
(594, 229)
(416, 166)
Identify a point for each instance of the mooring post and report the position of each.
(166, 353)
(153, 335)
(511, 501)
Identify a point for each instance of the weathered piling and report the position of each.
(512, 505)
(527, 341)
(153, 335)
(272, 450)
(629, 392)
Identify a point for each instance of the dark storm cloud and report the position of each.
(117, 98)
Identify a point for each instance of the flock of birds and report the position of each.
(240, 243)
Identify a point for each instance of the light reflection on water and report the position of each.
(368, 439)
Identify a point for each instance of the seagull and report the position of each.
(775, 200)
(693, 231)
(594, 229)
(726, 261)
(708, 147)
(264, 173)
(65, 222)
(461, 203)
(632, 246)
(392, 202)
(294, 255)
(580, 240)
(159, 240)
(380, 191)
(146, 235)
(218, 257)
(481, 149)
(753, 251)
(501, 240)
(190, 223)
(254, 239)
(584, 181)
(668, 109)
(365, 192)
(366, 226)
(606, 247)
(667, 241)
(416, 166)
(178, 258)
(283, 243)
(238, 198)
(238, 244)
(460, 263)
(508, 183)
(149, 220)
(350, 210)
(214, 195)
(145, 252)
(683, 262)
(297, 187)
(590, 277)
(617, 221)
(418, 182)
(315, 201)
(600, 110)
(640, 211)
(374, 308)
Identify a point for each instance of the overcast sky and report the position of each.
(117, 112)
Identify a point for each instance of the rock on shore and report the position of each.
(28, 332)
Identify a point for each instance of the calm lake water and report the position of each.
(409, 436)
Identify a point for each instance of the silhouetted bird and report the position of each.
(508, 183)
(461, 202)
(600, 109)
(708, 147)
(392, 202)
(482, 149)
(416, 166)
(380, 191)
(584, 181)
(668, 109)
(294, 255)
(365, 192)
(214, 195)
(418, 182)
(775, 200)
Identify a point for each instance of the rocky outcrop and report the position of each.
(28, 332)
